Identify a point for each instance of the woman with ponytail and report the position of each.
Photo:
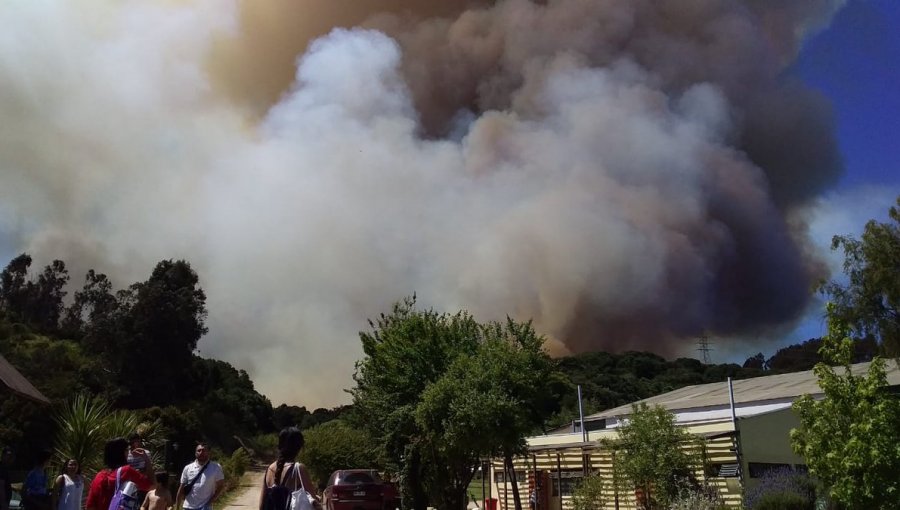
(286, 475)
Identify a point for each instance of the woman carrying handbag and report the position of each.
(286, 483)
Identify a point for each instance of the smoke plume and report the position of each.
(628, 173)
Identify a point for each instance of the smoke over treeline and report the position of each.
(629, 174)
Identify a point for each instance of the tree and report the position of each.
(337, 445)
(407, 351)
(869, 303)
(758, 361)
(589, 493)
(483, 407)
(850, 438)
(39, 302)
(162, 321)
(14, 285)
(651, 455)
(91, 313)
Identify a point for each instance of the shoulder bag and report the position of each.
(300, 499)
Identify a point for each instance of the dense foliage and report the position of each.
(440, 391)
(870, 302)
(133, 348)
(654, 457)
(850, 438)
(337, 445)
(782, 489)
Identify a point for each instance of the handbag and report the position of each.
(300, 499)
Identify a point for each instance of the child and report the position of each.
(159, 498)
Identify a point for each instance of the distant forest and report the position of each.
(135, 347)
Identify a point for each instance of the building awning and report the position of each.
(589, 445)
(18, 384)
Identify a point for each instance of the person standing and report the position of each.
(103, 487)
(35, 489)
(6, 461)
(139, 458)
(202, 481)
(286, 475)
(159, 498)
(69, 487)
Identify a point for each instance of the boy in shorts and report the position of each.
(159, 498)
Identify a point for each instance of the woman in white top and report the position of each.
(69, 487)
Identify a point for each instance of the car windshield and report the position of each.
(358, 478)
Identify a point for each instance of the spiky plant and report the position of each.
(85, 424)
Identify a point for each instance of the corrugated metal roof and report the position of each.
(17, 382)
(746, 391)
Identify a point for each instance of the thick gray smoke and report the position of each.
(629, 174)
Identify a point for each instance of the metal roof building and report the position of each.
(18, 384)
(737, 451)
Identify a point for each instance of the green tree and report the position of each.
(37, 302)
(163, 321)
(850, 438)
(14, 285)
(654, 456)
(337, 445)
(407, 351)
(484, 406)
(90, 317)
(870, 302)
(589, 493)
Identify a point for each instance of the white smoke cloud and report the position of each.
(590, 186)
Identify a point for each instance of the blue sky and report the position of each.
(855, 63)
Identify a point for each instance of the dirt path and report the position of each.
(247, 497)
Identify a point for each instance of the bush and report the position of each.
(589, 493)
(703, 499)
(782, 489)
(783, 501)
(265, 446)
(234, 467)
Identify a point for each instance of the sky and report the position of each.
(855, 63)
(630, 174)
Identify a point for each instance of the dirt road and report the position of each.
(247, 497)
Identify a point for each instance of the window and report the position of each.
(500, 477)
(590, 424)
(569, 480)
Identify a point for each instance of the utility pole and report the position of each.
(703, 346)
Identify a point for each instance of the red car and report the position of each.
(358, 489)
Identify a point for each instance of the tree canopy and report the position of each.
(651, 455)
(441, 391)
(870, 301)
(133, 348)
(850, 438)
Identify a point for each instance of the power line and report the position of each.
(703, 346)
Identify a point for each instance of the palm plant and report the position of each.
(84, 425)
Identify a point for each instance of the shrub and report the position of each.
(589, 493)
(697, 499)
(782, 489)
(235, 466)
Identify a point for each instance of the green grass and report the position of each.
(474, 491)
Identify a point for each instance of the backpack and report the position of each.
(277, 497)
(280, 497)
(124, 495)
